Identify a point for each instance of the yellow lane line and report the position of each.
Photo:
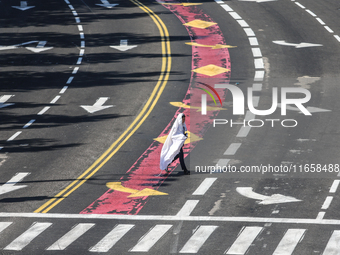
(156, 93)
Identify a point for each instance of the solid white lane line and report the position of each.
(242, 23)
(204, 186)
(70, 237)
(232, 149)
(25, 238)
(300, 5)
(198, 239)
(187, 208)
(45, 109)
(14, 136)
(333, 245)
(320, 215)
(327, 203)
(62, 91)
(328, 29)
(258, 62)
(256, 52)
(29, 123)
(70, 80)
(55, 100)
(253, 41)
(227, 8)
(289, 242)
(334, 186)
(112, 238)
(244, 240)
(311, 13)
(235, 15)
(75, 70)
(152, 237)
(222, 162)
(321, 21)
(249, 31)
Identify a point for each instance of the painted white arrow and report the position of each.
(265, 200)
(23, 6)
(3, 99)
(106, 4)
(40, 47)
(297, 45)
(16, 45)
(123, 46)
(98, 106)
(311, 109)
(9, 186)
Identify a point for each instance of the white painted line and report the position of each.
(235, 15)
(311, 13)
(14, 136)
(187, 208)
(320, 215)
(80, 28)
(69, 80)
(249, 116)
(328, 29)
(320, 21)
(258, 62)
(81, 35)
(43, 110)
(62, 91)
(334, 186)
(227, 8)
(327, 203)
(25, 238)
(204, 104)
(256, 101)
(257, 87)
(74, 13)
(204, 186)
(244, 240)
(71, 7)
(77, 20)
(75, 70)
(79, 60)
(198, 239)
(70, 237)
(82, 44)
(112, 238)
(29, 123)
(152, 237)
(249, 31)
(337, 37)
(253, 41)
(81, 53)
(55, 100)
(242, 23)
(289, 241)
(244, 131)
(333, 245)
(222, 162)
(300, 5)
(256, 52)
(232, 149)
(66, 1)
(219, 1)
(259, 76)
(4, 225)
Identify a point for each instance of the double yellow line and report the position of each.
(112, 150)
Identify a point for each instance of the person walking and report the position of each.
(172, 148)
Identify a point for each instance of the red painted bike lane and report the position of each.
(210, 65)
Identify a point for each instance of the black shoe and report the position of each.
(186, 172)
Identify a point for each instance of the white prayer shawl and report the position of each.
(173, 142)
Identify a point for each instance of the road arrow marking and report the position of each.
(311, 109)
(98, 105)
(3, 99)
(297, 45)
(9, 186)
(40, 47)
(214, 47)
(134, 192)
(123, 46)
(106, 4)
(16, 45)
(265, 200)
(23, 6)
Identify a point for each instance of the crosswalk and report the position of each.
(240, 244)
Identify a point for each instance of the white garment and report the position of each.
(173, 142)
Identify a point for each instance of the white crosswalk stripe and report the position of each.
(112, 238)
(25, 238)
(198, 239)
(289, 241)
(71, 236)
(333, 245)
(244, 240)
(156, 233)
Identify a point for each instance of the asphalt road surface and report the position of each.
(91, 88)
